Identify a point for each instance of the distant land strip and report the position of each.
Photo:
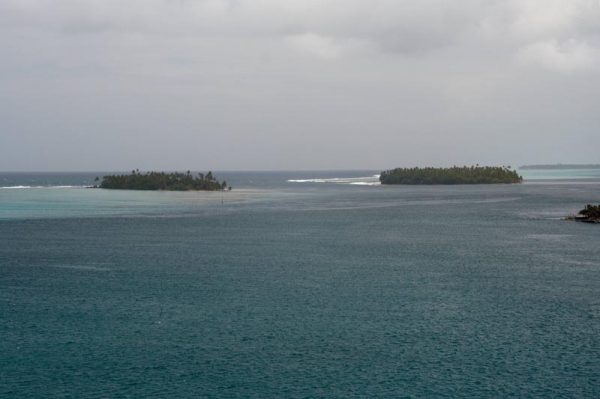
(454, 175)
(559, 166)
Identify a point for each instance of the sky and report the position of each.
(112, 85)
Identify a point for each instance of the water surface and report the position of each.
(299, 289)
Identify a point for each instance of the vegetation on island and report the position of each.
(559, 166)
(589, 214)
(163, 181)
(454, 175)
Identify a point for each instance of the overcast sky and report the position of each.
(299, 84)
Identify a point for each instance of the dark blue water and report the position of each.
(300, 290)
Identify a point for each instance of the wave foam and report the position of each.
(366, 183)
(357, 181)
(26, 187)
(308, 181)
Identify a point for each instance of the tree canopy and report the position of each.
(453, 175)
(592, 212)
(163, 181)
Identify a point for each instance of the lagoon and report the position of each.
(298, 284)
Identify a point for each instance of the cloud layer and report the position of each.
(268, 84)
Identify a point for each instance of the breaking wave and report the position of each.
(356, 181)
(25, 187)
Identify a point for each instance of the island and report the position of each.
(589, 214)
(454, 175)
(559, 166)
(163, 181)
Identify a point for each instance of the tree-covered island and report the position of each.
(589, 214)
(163, 181)
(454, 175)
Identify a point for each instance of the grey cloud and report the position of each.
(269, 84)
(388, 25)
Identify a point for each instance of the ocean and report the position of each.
(299, 284)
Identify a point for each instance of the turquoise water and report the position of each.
(298, 284)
